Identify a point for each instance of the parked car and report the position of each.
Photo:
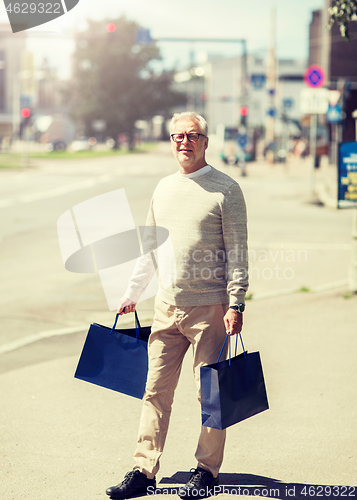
(56, 146)
(237, 146)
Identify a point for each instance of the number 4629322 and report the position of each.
(32, 8)
(328, 491)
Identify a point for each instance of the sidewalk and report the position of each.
(326, 184)
(65, 439)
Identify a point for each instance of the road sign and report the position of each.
(143, 36)
(314, 76)
(334, 114)
(25, 101)
(242, 140)
(288, 103)
(334, 96)
(314, 101)
(258, 81)
(347, 172)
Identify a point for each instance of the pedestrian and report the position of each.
(204, 211)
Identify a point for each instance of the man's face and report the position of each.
(190, 155)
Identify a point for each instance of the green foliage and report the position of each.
(342, 11)
(11, 160)
(114, 79)
(304, 289)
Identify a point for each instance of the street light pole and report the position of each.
(244, 86)
(271, 84)
(313, 135)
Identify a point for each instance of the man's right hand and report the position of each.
(126, 306)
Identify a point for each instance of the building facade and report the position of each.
(233, 84)
(338, 58)
(12, 48)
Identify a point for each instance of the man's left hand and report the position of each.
(233, 321)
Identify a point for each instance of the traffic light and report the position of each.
(25, 112)
(243, 115)
(111, 27)
(26, 117)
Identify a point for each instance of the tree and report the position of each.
(342, 12)
(114, 79)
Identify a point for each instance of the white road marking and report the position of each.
(30, 339)
(50, 193)
(35, 337)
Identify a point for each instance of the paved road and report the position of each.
(62, 438)
(292, 244)
(37, 293)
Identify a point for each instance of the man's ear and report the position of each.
(206, 143)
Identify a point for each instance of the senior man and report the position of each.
(204, 212)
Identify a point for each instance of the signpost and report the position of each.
(334, 96)
(143, 37)
(242, 140)
(314, 101)
(258, 81)
(334, 114)
(288, 103)
(314, 76)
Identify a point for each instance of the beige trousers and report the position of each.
(174, 329)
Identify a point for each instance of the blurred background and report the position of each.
(85, 101)
(112, 77)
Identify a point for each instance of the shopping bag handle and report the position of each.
(229, 346)
(137, 325)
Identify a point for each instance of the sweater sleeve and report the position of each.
(145, 266)
(234, 227)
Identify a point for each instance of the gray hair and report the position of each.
(191, 115)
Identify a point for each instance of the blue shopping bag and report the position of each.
(116, 358)
(232, 390)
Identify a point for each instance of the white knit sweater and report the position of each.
(207, 222)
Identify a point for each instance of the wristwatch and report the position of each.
(239, 308)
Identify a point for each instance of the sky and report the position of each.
(248, 19)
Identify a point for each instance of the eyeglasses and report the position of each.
(190, 137)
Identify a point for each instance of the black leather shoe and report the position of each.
(134, 484)
(200, 485)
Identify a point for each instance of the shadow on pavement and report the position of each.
(260, 486)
